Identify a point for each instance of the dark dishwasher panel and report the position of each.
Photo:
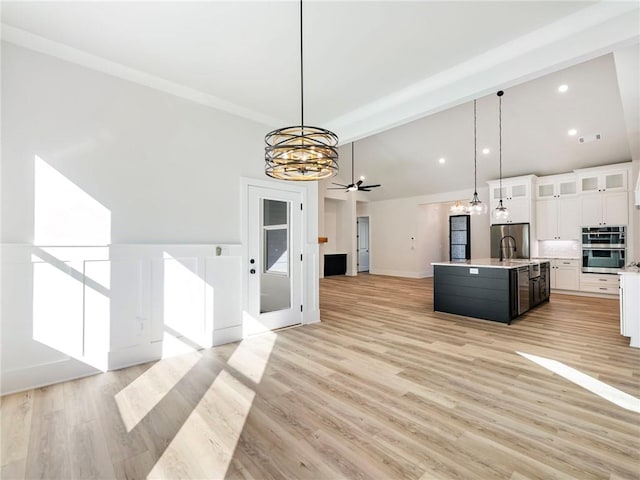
(524, 290)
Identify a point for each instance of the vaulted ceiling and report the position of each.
(397, 77)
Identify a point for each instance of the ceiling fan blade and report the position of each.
(334, 183)
(370, 186)
(364, 190)
(336, 188)
(359, 182)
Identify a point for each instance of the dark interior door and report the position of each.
(459, 237)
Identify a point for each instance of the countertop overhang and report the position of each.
(491, 263)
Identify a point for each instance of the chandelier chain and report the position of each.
(301, 72)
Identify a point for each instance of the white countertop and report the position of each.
(628, 272)
(490, 263)
(556, 258)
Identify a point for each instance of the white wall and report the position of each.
(408, 234)
(167, 169)
(331, 209)
(89, 159)
(337, 216)
(635, 210)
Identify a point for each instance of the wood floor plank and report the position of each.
(88, 452)
(48, 455)
(16, 413)
(383, 387)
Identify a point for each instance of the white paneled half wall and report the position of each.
(70, 311)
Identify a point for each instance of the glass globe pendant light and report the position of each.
(458, 208)
(301, 152)
(475, 207)
(501, 212)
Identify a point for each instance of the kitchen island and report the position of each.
(490, 289)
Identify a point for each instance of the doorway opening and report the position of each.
(459, 237)
(363, 244)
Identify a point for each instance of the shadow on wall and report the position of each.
(105, 305)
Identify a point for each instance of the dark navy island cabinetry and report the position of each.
(490, 289)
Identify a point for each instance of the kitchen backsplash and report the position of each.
(559, 249)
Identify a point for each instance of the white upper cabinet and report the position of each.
(516, 197)
(555, 186)
(558, 218)
(600, 182)
(558, 208)
(603, 194)
(605, 209)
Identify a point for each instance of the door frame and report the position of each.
(310, 249)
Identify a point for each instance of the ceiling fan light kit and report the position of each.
(354, 186)
(476, 207)
(301, 153)
(501, 212)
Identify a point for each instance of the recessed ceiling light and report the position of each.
(572, 132)
(563, 88)
(486, 151)
(442, 160)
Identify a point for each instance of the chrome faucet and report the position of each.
(501, 247)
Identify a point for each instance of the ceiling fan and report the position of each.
(354, 186)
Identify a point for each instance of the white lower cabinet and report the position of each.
(630, 307)
(599, 283)
(565, 274)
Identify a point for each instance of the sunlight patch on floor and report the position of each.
(138, 398)
(209, 434)
(613, 395)
(252, 355)
(213, 429)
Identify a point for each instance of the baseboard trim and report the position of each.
(584, 294)
(401, 273)
(135, 355)
(44, 374)
(227, 335)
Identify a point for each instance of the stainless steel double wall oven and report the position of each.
(603, 249)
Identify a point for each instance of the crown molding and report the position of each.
(64, 52)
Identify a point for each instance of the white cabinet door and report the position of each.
(567, 278)
(546, 220)
(604, 182)
(518, 210)
(605, 209)
(615, 181)
(591, 210)
(615, 209)
(569, 215)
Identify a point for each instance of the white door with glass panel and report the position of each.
(275, 260)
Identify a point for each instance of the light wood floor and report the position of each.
(382, 388)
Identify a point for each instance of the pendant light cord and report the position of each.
(500, 93)
(301, 73)
(475, 150)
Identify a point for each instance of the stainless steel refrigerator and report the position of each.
(512, 238)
